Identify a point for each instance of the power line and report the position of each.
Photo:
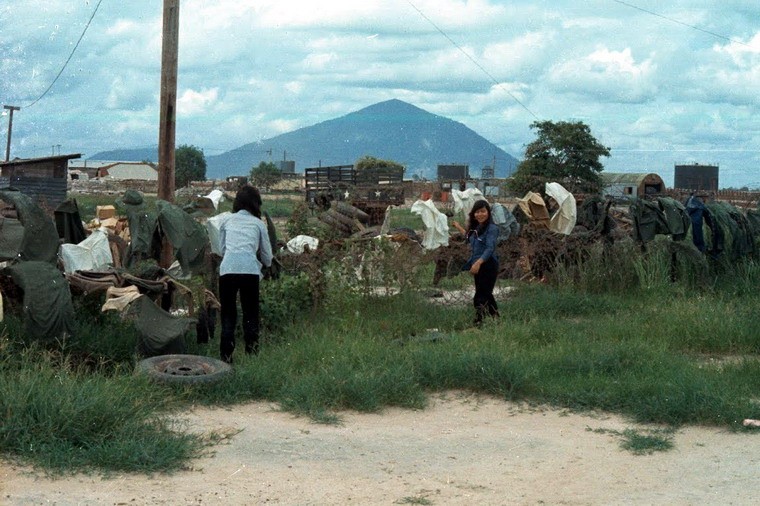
(69, 58)
(473, 60)
(682, 23)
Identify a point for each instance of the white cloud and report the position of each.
(637, 79)
(196, 102)
(280, 126)
(606, 75)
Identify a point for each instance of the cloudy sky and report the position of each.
(658, 82)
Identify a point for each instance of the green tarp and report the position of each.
(40, 242)
(188, 237)
(161, 333)
(48, 311)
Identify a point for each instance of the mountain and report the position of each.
(128, 155)
(392, 130)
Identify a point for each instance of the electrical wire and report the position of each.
(723, 37)
(69, 58)
(473, 60)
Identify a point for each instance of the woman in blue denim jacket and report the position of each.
(482, 234)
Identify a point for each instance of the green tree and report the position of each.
(563, 152)
(265, 175)
(189, 165)
(370, 162)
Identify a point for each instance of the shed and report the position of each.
(42, 179)
(631, 185)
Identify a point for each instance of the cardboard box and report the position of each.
(105, 212)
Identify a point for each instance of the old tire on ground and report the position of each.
(183, 369)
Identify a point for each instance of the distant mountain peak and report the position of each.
(393, 108)
(392, 130)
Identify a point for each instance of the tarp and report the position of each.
(676, 216)
(464, 200)
(506, 221)
(213, 229)
(436, 224)
(68, 222)
(563, 219)
(534, 207)
(299, 243)
(161, 333)
(188, 237)
(215, 196)
(648, 220)
(141, 227)
(117, 299)
(40, 242)
(11, 238)
(92, 254)
(48, 312)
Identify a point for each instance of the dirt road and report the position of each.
(462, 450)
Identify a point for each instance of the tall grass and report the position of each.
(63, 419)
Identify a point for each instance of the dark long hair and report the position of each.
(472, 223)
(248, 198)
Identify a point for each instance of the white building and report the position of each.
(128, 170)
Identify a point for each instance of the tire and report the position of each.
(183, 369)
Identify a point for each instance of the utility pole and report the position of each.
(10, 108)
(167, 116)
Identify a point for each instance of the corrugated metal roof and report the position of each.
(24, 161)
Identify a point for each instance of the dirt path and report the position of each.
(462, 450)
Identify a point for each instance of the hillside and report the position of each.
(392, 130)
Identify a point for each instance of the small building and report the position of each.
(42, 179)
(128, 170)
(631, 185)
(696, 177)
(89, 167)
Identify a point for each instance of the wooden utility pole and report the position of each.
(167, 118)
(10, 108)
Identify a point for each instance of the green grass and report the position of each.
(64, 419)
(649, 357)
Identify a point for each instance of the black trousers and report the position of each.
(485, 281)
(248, 287)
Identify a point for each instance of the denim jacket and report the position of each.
(483, 245)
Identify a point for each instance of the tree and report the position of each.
(189, 165)
(265, 175)
(370, 162)
(563, 152)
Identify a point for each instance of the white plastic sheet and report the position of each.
(563, 220)
(436, 225)
(92, 254)
(299, 243)
(464, 200)
(213, 227)
(215, 196)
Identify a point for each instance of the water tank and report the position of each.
(288, 166)
(696, 177)
(453, 171)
